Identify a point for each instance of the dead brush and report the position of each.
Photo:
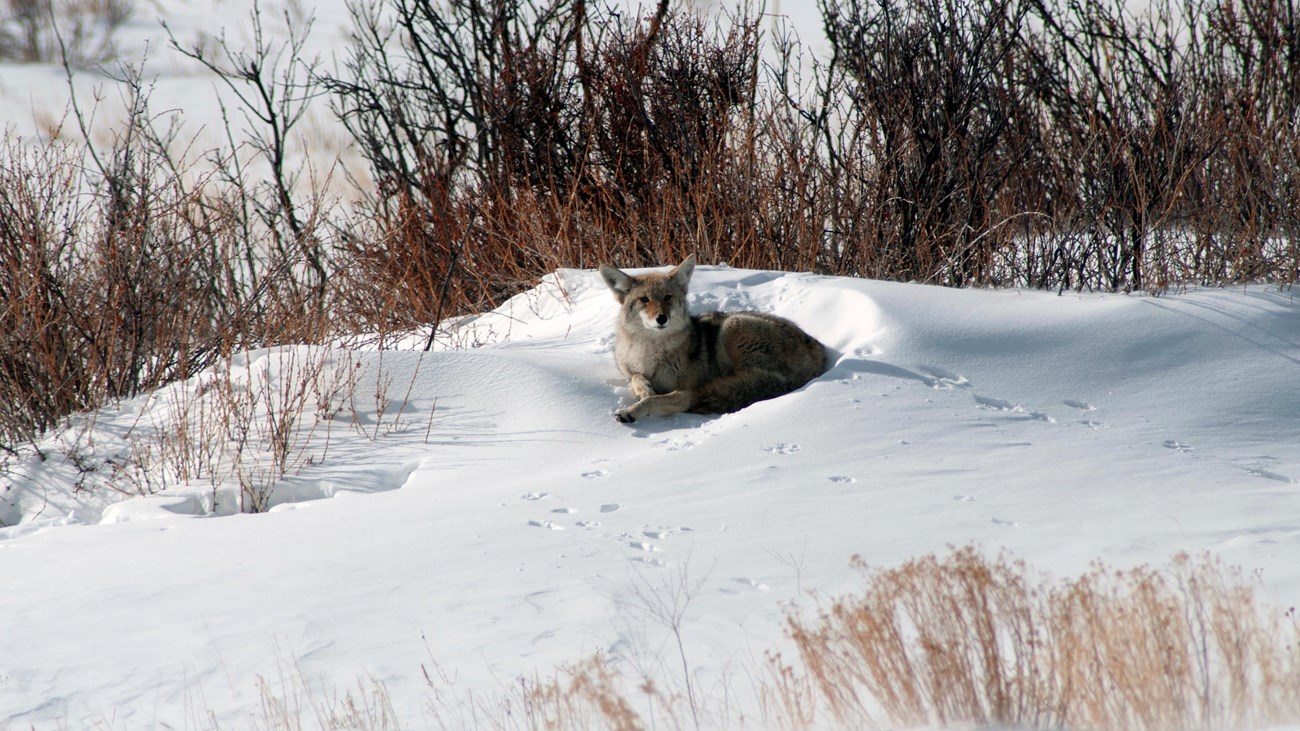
(590, 696)
(965, 639)
(939, 642)
(1043, 143)
(124, 268)
(80, 32)
(242, 427)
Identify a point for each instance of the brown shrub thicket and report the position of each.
(120, 273)
(1042, 143)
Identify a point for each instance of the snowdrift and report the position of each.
(486, 515)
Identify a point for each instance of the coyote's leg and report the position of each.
(641, 387)
(656, 405)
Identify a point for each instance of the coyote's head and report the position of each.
(655, 302)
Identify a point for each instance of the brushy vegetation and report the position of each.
(82, 32)
(968, 639)
(144, 281)
(1041, 143)
(998, 142)
(940, 641)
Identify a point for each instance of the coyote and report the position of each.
(713, 363)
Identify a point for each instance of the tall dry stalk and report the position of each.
(965, 639)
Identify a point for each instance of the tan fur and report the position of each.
(713, 363)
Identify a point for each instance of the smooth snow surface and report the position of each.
(512, 531)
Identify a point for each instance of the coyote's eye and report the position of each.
(668, 298)
(645, 300)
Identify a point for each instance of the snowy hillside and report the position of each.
(487, 518)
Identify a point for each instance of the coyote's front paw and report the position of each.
(630, 414)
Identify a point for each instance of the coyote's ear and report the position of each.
(619, 283)
(682, 274)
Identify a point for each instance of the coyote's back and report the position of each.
(713, 363)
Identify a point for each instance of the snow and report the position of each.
(509, 527)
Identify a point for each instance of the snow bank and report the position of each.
(487, 515)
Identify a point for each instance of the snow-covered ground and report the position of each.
(496, 521)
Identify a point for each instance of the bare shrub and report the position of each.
(967, 639)
(274, 84)
(1046, 143)
(258, 422)
(78, 32)
(103, 299)
(933, 102)
(132, 273)
(516, 138)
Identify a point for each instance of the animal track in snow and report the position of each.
(751, 583)
(534, 495)
(603, 344)
(545, 524)
(998, 404)
(942, 379)
(657, 534)
(1177, 446)
(649, 561)
(964, 498)
(564, 510)
(594, 474)
(588, 524)
(1008, 523)
(1080, 405)
(610, 507)
(842, 479)
(1270, 475)
(781, 448)
(1094, 425)
(676, 445)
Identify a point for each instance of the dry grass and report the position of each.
(947, 641)
(292, 702)
(237, 431)
(966, 639)
(240, 429)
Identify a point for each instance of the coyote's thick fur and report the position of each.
(707, 364)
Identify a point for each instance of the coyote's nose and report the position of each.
(662, 319)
